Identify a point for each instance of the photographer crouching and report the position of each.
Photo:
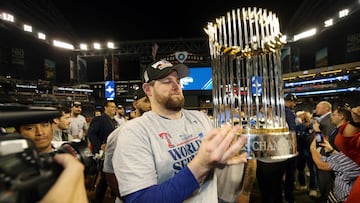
(31, 169)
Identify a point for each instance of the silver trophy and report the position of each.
(247, 81)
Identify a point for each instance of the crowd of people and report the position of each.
(332, 173)
(167, 153)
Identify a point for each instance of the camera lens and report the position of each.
(81, 151)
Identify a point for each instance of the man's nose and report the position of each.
(39, 130)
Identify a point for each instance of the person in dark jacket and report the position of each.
(270, 174)
(290, 164)
(99, 129)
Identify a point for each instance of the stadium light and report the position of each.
(7, 17)
(305, 34)
(97, 45)
(343, 13)
(110, 45)
(328, 23)
(64, 45)
(41, 36)
(83, 46)
(27, 28)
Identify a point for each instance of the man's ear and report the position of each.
(146, 88)
(55, 120)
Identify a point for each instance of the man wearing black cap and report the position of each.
(120, 115)
(141, 103)
(78, 125)
(169, 154)
(290, 103)
(290, 167)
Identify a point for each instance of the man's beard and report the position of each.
(171, 103)
(175, 105)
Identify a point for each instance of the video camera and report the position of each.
(25, 174)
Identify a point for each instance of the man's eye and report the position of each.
(29, 128)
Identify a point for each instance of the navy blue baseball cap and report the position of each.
(290, 97)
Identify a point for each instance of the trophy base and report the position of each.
(270, 145)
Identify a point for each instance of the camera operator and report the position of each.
(32, 169)
(40, 133)
(69, 187)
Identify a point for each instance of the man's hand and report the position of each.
(327, 146)
(217, 149)
(316, 126)
(70, 186)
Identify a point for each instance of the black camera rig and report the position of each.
(25, 174)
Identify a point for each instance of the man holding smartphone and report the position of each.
(325, 178)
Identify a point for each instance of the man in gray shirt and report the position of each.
(169, 154)
(78, 125)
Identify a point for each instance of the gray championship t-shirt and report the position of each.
(151, 149)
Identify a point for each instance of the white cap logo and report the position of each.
(146, 76)
(161, 65)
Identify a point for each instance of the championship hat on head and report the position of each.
(290, 97)
(120, 106)
(139, 93)
(162, 68)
